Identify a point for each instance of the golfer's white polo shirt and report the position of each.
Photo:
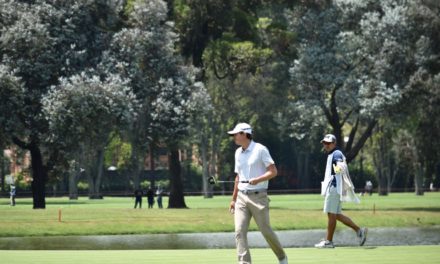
(252, 163)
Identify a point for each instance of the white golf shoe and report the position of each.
(362, 235)
(325, 244)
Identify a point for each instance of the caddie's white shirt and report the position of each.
(252, 163)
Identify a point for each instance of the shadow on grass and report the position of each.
(47, 202)
(364, 247)
(410, 209)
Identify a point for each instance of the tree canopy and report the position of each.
(78, 76)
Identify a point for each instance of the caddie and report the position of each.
(337, 187)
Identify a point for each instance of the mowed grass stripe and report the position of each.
(359, 255)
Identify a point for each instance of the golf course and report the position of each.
(364, 255)
(115, 216)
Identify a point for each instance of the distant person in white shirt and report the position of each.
(12, 194)
(369, 187)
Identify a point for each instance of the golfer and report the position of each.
(337, 187)
(253, 163)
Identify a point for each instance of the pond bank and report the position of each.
(292, 238)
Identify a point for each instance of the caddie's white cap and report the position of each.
(330, 138)
(241, 127)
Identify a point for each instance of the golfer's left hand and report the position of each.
(253, 181)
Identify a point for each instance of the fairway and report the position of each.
(358, 255)
(112, 216)
(116, 216)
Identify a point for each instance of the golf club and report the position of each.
(212, 180)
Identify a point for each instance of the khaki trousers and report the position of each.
(257, 206)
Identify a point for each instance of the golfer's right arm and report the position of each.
(234, 194)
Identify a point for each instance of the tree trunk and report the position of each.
(75, 174)
(134, 166)
(299, 171)
(152, 167)
(306, 170)
(207, 190)
(176, 199)
(95, 176)
(73, 185)
(351, 155)
(214, 162)
(382, 188)
(392, 172)
(213, 170)
(418, 180)
(39, 175)
(2, 171)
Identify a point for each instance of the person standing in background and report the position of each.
(12, 193)
(138, 196)
(159, 194)
(150, 197)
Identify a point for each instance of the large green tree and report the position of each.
(41, 41)
(144, 53)
(241, 46)
(355, 61)
(82, 112)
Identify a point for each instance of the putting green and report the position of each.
(358, 255)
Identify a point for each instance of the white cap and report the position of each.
(330, 138)
(241, 127)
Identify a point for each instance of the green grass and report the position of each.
(364, 255)
(288, 212)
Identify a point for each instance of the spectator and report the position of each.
(138, 196)
(369, 187)
(159, 194)
(12, 193)
(150, 197)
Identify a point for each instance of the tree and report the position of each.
(384, 155)
(354, 64)
(198, 22)
(41, 41)
(416, 146)
(428, 129)
(243, 71)
(82, 111)
(144, 53)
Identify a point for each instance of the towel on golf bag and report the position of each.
(344, 185)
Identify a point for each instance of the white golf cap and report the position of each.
(241, 127)
(330, 138)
